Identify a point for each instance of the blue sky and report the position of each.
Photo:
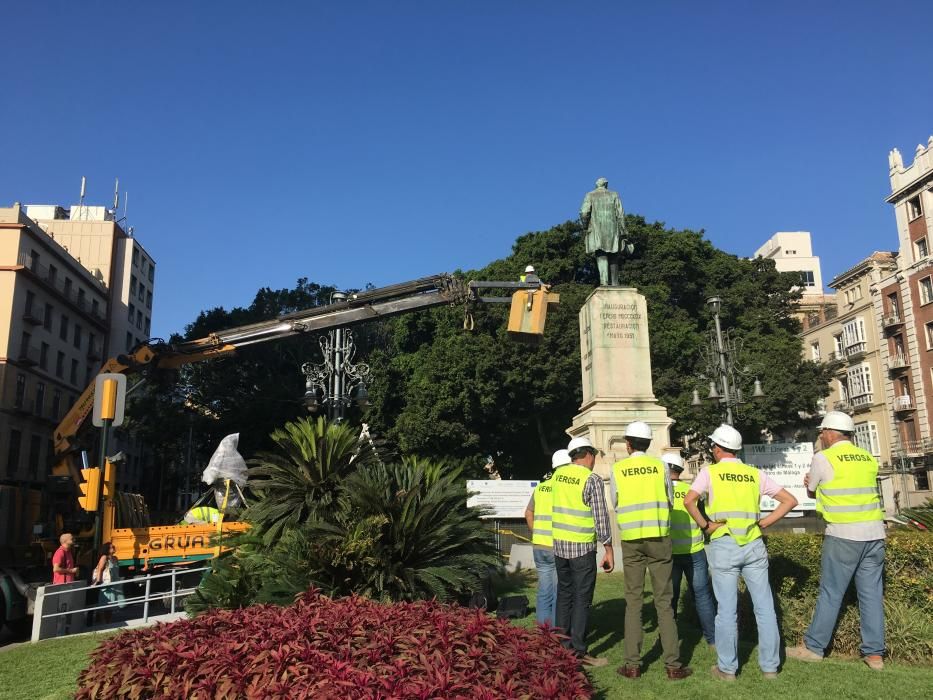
(384, 141)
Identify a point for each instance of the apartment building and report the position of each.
(81, 275)
(792, 251)
(904, 306)
(53, 324)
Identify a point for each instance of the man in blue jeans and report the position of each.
(843, 479)
(687, 544)
(538, 515)
(733, 493)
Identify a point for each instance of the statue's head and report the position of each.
(602, 183)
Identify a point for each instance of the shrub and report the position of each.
(908, 594)
(347, 648)
(391, 532)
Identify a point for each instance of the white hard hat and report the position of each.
(530, 268)
(837, 420)
(560, 458)
(674, 460)
(728, 437)
(579, 442)
(639, 429)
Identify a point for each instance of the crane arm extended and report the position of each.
(367, 305)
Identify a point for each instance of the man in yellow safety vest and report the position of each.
(641, 493)
(580, 519)
(538, 515)
(843, 479)
(733, 494)
(687, 544)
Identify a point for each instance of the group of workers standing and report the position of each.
(708, 532)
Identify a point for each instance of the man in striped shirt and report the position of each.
(580, 520)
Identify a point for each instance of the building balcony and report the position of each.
(904, 403)
(913, 448)
(892, 320)
(862, 402)
(842, 405)
(28, 355)
(33, 317)
(897, 361)
(856, 350)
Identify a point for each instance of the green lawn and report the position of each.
(831, 678)
(49, 669)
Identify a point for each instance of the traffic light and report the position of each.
(90, 489)
(110, 479)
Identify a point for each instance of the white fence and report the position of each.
(62, 609)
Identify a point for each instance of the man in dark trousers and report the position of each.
(579, 520)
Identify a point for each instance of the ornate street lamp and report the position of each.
(725, 376)
(336, 383)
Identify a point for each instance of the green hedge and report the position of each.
(908, 595)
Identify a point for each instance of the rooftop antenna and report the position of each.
(81, 213)
(116, 195)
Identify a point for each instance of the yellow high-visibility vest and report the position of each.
(572, 519)
(852, 494)
(686, 535)
(642, 508)
(734, 499)
(542, 536)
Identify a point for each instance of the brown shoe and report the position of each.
(721, 675)
(678, 674)
(632, 672)
(874, 662)
(594, 661)
(801, 653)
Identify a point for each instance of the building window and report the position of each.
(33, 260)
(139, 319)
(914, 208)
(151, 272)
(132, 284)
(56, 404)
(866, 437)
(60, 365)
(148, 327)
(926, 290)
(920, 249)
(68, 288)
(44, 356)
(806, 276)
(40, 398)
(95, 307)
(131, 316)
(853, 294)
(853, 335)
(149, 299)
(30, 300)
(77, 336)
(53, 274)
(922, 480)
(88, 373)
(142, 293)
(929, 335)
(136, 256)
(91, 343)
(129, 342)
(894, 306)
(73, 375)
(35, 444)
(12, 455)
(20, 398)
(859, 380)
(815, 351)
(63, 328)
(81, 299)
(47, 319)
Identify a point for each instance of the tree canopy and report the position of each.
(457, 396)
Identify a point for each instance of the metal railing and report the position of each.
(57, 281)
(145, 599)
(856, 349)
(903, 403)
(892, 319)
(897, 361)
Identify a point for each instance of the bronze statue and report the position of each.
(604, 219)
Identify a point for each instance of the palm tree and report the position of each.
(301, 477)
(430, 544)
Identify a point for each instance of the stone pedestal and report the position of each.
(616, 362)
